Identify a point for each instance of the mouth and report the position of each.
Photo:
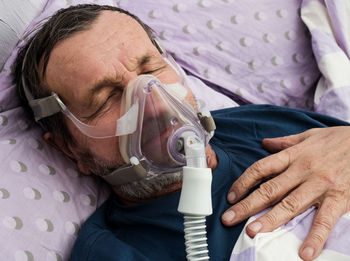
(153, 137)
(154, 143)
(158, 125)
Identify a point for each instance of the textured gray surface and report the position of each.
(15, 16)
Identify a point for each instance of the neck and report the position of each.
(136, 201)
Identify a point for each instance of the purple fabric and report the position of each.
(259, 50)
(336, 102)
(338, 240)
(43, 198)
(248, 254)
(338, 13)
(267, 246)
(328, 24)
(321, 44)
(305, 2)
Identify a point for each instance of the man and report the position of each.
(88, 61)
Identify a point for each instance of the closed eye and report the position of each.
(113, 98)
(149, 72)
(155, 70)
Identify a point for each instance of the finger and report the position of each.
(325, 219)
(277, 144)
(292, 205)
(262, 169)
(266, 195)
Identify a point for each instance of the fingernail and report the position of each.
(308, 252)
(228, 216)
(255, 227)
(231, 196)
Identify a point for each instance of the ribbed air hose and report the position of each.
(196, 238)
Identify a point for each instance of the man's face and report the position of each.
(89, 72)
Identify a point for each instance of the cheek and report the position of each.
(168, 77)
(106, 149)
(103, 149)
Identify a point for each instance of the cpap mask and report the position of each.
(155, 116)
(159, 118)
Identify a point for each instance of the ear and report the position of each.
(58, 144)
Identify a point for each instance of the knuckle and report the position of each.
(251, 176)
(290, 204)
(317, 238)
(241, 186)
(271, 219)
(244, 207)
(286, 142)
(312, 131)
(269, 190)
(327, 178)
(297, 151)
(291, 153)
(294, 150)
(307, 164)
(257, 169)
(316, 131)
(323, 224)
(340, 199)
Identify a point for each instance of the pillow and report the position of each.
(257, 50)
(15, 16)
(43, 198)
(329, 27)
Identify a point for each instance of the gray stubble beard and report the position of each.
(147, 188)
(138, 190)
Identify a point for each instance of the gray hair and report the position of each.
(36, 53)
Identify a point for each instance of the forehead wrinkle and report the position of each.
(110, 83)
(108, 49)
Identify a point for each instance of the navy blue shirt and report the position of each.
(154, 230)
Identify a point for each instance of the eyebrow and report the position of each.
(143, 60)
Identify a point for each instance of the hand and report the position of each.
(311, 168)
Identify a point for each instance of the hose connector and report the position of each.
(195, 198)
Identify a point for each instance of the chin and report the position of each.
(150, 188)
